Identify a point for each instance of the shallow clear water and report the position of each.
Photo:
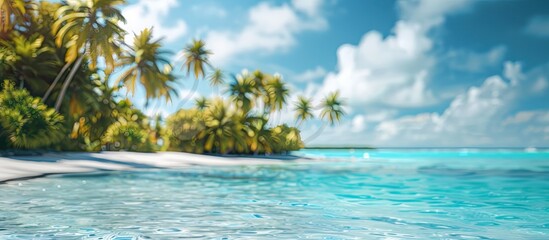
(385, 194)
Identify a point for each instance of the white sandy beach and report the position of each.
(18, 167)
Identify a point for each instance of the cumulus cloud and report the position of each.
(269, 28)
(430, 13)
(393, 70)
(538, 26)
(153, 13)
(470, 61)
(358, 123)
(209, 10)
(513, 71)
(540, 85)
(479, 116)
(466, 120)
(528, 116)
(310, 75)
(382, 75)
(310, 7)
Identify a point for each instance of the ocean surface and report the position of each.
(345, 194)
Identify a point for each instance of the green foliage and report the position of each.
(52, 49)
(303, 109)
(27, 59)
(7, 60)
(12, 10)
(223, 132)
(277, 92)
(201, 103)
(26, 122)
(216, 78)
(261, 139)
(146, 64)
(290, 138)
(129, 136)
(196, 58)
(91, 25)
(222, 128)
(182, 127)
(242, 91)
(332, 108)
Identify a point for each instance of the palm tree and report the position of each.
(88, 28)
(332, 108)
(278, 93)
(241, 90)
(201, 103)
(332, 111)
(146, 63)
(182, 129)
(11, 9)
(223, 132)
(196, 59)
(216, 78)
(27, 122)
(289, 138)
(303, 110)
(259, 80)
(31, 60)
(260, 138)
(95, 107)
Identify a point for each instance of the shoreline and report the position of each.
(15, 168)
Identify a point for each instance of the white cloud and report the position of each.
(475, 62)
(538, 26)
(153, 13)
(394, 70)
(431, 13)
(210, 10)
(268, 29)
(540, 85)
(310, 74)
(468, 115)
(310, 7)
(469, 120)
(378, 68)
(513, 72)
(479, 116)
(380, 115)
(358, 123)
(528, 116)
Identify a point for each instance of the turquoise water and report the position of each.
(383, 194)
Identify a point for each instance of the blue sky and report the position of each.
(453, 73)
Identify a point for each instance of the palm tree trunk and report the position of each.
(189, 95)
(316, 134)
(68, 82)
(57, 78)
(299, 123)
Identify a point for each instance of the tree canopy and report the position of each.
(57, 60)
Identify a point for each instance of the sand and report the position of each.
(22, 167)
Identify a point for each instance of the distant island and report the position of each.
(338, 147)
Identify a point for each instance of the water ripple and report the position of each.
(323, 200)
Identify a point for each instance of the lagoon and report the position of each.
(348, 194)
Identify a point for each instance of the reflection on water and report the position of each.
(482, 197)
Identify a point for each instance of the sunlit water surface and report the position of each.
(385, 194)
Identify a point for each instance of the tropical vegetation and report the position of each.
(68, 73)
